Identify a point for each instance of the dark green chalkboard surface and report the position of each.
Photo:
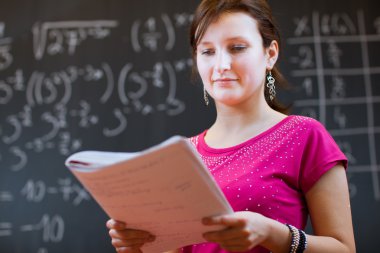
(116, 75)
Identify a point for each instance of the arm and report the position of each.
(329, 206)
(332, 224)
(328, 202)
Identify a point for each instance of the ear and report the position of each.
(272, 54)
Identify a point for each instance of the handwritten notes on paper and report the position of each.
(165, 190)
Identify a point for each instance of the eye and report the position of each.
(207, 52)
(238, 48)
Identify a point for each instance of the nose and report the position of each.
(223, 62)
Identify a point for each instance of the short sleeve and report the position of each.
(320, 154)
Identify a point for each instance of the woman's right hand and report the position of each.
(127, 240)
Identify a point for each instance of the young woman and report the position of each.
(274, 169)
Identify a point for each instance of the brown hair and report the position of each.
(209, 11)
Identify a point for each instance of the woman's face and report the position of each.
(232, 61)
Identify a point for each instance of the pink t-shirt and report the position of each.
(270, 173)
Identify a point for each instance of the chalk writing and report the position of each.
(76, 82)
(52, 228)
(6, 196)
(5, 229)
(66, 36)
(320, 40)
(146, 34)
(45, 103)
(37, 190)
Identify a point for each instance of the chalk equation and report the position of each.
(50, 227)
(6, 58)
(65, 36)
(336, 90)
(41, 106)
(133, 88)
(37, 190)
(153, 31)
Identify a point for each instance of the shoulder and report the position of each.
(318, 142)
(309, 130)
(304, 120)
(306, 124)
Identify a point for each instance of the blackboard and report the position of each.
(116, 75)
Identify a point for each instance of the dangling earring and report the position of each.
(205, 96)
(270, 85)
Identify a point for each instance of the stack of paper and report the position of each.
(165, 190)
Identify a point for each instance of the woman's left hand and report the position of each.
(244, 230)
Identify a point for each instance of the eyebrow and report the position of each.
(229, 39)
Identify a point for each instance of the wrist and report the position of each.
(298, 239)
(279, 237)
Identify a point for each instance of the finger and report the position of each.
(240, 244)
(129, 243)
(114, 224)
(129, 234)
(232, 233)
(226, 220)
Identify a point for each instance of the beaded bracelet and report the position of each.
(295, 238)
(303, 242)
(299, 240)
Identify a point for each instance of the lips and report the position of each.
(225, 82)
(221, 80)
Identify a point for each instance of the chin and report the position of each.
(229, 98)
(228, 102)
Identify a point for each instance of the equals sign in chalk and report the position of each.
(5, 229)
(6, 197)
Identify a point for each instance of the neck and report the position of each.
(236, 118)
(235, 124)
